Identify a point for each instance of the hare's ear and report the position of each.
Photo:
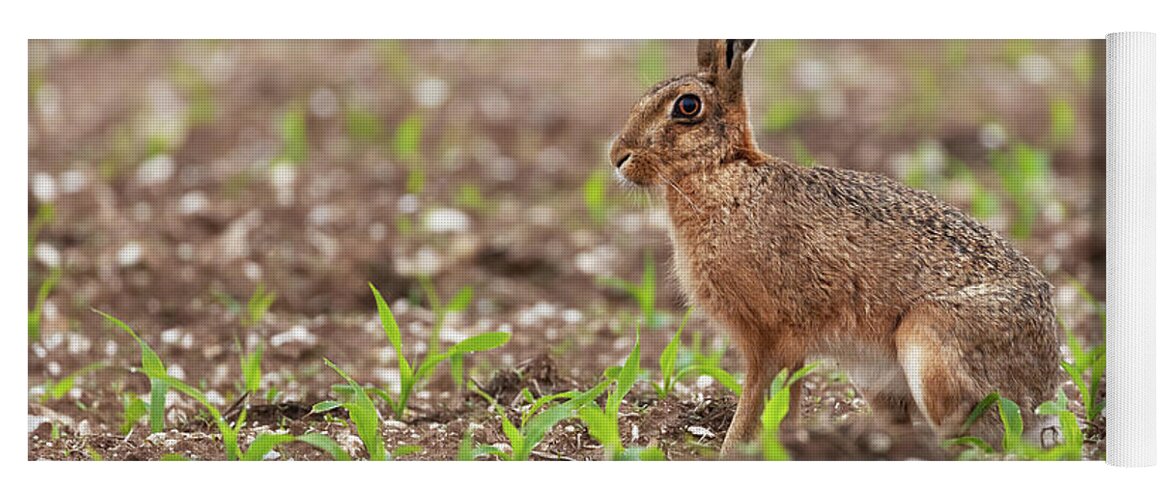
(725, 60)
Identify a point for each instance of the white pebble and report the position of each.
(44, 187)
(298, 334)
(408, 204)
(156, 170)
(73, 181)
(323, 103)
(431, 92)
(388, 376)
(176, 371)
(571, 316)
(703, 381)
(78, 344)
(47, 254)
(447, 220)
(701, 432)
(192, 203)
(130, 254)
(171, 336)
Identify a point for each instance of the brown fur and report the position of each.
(924, 306)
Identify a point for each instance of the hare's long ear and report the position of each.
(724, 59)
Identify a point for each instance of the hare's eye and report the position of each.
(686, 106)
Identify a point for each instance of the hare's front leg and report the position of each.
(761, 371)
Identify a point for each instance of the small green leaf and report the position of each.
(390, 326)
(1010, 415)
(461, 300)
(364, 416)
(326, 406)
(326, 444)
(626, 378)
(979, 411)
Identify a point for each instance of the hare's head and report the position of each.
(689, 123)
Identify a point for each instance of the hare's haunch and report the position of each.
(921, 304)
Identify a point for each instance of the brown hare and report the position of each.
(922, 306)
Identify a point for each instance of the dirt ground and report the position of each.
(177, 184)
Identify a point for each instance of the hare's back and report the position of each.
(889, 219)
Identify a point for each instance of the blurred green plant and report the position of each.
(396, 60)
(1024, 174)
(57, 390)
(38, 312)
(200, 95)
(408, 137)
(363, 126)
(643, 292)
(595, 192)
(257, 308)
(44, 216)
(1062, 120)
(133, 409)
(782, 114)
(651, 62)
(294, 135)
(250, 366)
(1091, 362)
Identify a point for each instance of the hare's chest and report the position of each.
(714, 273)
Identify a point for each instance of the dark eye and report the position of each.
(686, 106)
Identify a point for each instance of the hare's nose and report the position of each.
(621, 159)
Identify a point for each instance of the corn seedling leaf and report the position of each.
(1010, 415)
(364, 416)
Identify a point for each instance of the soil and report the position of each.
(173, 198)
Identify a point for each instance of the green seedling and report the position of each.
(295, 136)
(776, 409)
(153, 368)
(408, 139)
(257, 307)
(784, 114)
(457, 304)
(667, 362)
(1013, 443)
(46, 212)
(595, 194)
(250, 367)
(643, 292)
(1024, 173)
(362, 413)
(412, 376)
(603, 422)
(35, 315)
(694, 361)
(1062, 121)
(652, 62)
(133, 409)
(364, 126)
(1085, 360)
(525, 439)
(60, 388)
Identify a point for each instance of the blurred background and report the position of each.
(182, 185)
